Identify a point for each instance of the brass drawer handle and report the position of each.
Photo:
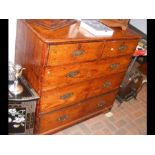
(63, 118)
(106, 84)
(101, 105)
(122, 48)
(78, 53)
(66, 96)
(114, 66)
(72, 74)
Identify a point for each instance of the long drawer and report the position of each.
(69, 74)
(72, 113)
(61, 97)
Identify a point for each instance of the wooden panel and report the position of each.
(69, 74)
(105, 84)
(100, 102)
(69, 114)
(58, 118)
(73, 33)
(30, 53)
(119, 48)
(61, 97)
(72, 53)
(78, 92)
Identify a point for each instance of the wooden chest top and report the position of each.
(72, 33)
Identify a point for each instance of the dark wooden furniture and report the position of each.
(143, 68)
(21, 110)
(76, 74)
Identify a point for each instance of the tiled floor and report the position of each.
(127, 119)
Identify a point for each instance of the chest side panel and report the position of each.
(31, 53)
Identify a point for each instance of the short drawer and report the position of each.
(78, 111)
(70, 74)
(72, 53)
(119, 48)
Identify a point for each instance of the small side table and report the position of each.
(21, 110)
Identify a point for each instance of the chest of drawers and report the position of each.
(76, 74)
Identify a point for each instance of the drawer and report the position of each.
(72, 53)
(119, 48)
(65, 75)
(59, 118)
(105, 84)
(61, 97)
(98, 103)
(70, 114)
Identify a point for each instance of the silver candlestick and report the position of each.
(16, 88)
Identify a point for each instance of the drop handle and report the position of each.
(114, 66)
(106, 84)
(122, 48)
(101, 105)
(77, 53)
(72, 74)
(66, 96)
(63, 118)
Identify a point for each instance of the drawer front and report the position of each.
(70, 74)
(105, 84)
(72, 53)
(61, 97)
(119, 48)
(72, 113)
(99, 102)
(59, 118)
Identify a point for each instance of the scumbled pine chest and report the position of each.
(76, 74)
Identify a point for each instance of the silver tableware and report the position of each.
(16, 88)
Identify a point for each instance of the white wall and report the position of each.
(12, 38)
(141, 24)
